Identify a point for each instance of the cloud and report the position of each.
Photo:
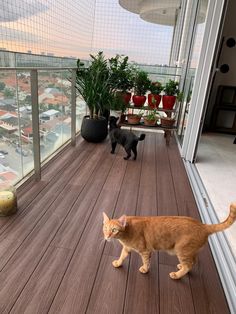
(9, 34)
(10, 12)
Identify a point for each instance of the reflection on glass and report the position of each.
(16, 129)
(15, 126)
(81, 111)
(54, 110)
(191, 70)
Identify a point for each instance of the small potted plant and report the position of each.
(122, 73)
(134, 118)
(151, 118)
(171, 90)
(141, 86)
(154, 98)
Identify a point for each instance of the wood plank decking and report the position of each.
(53, 258)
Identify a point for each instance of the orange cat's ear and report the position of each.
(105, 218)
(122, 220)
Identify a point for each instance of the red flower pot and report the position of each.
(168, 102)
(127, 97)
(154, 100)
(138, 100)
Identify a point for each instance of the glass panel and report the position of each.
(54, 110)
(188, 83)
(16, 157)
(16, 132)
(81, 111)
(215, 153)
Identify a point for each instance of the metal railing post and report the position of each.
(73, 107)
(35, 123)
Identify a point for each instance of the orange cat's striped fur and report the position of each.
(182, 236)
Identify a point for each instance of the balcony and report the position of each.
(54, 258)
(53, 247)
(40, 112)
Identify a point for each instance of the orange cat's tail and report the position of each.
(225, 224)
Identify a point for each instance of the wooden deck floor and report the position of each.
(52, 255)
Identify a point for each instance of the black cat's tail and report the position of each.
(142, 137)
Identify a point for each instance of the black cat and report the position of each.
(123, 137)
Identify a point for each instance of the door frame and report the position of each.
(203, 79)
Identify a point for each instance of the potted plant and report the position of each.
(171, 91)
(154, 98)
(134, 118)
(93, 85)
(151, 118)
(141, 86)
(122, 73)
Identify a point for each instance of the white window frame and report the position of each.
(204, 70)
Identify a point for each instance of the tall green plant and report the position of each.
(93, 84)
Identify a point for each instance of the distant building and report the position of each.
(49, 115)
(52, 90)
(8, 104)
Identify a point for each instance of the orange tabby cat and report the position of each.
(182, 236)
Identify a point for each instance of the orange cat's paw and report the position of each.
(116, 263)
(173, 275)
(179, 266)
(143, 270)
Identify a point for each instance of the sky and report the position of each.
(75, 28)
(119, 29)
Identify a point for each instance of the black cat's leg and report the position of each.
(128, 151)
(124, 253)
(134, 149)
(113, 147)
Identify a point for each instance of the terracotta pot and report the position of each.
(133, 118)
(167, 122)
(154, 100)
(168, 102)
(149, 122)
(138, 101)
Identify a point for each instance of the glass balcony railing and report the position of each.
(39, 113)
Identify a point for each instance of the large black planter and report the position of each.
(94, 130)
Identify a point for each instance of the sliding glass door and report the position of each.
(194, 40)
